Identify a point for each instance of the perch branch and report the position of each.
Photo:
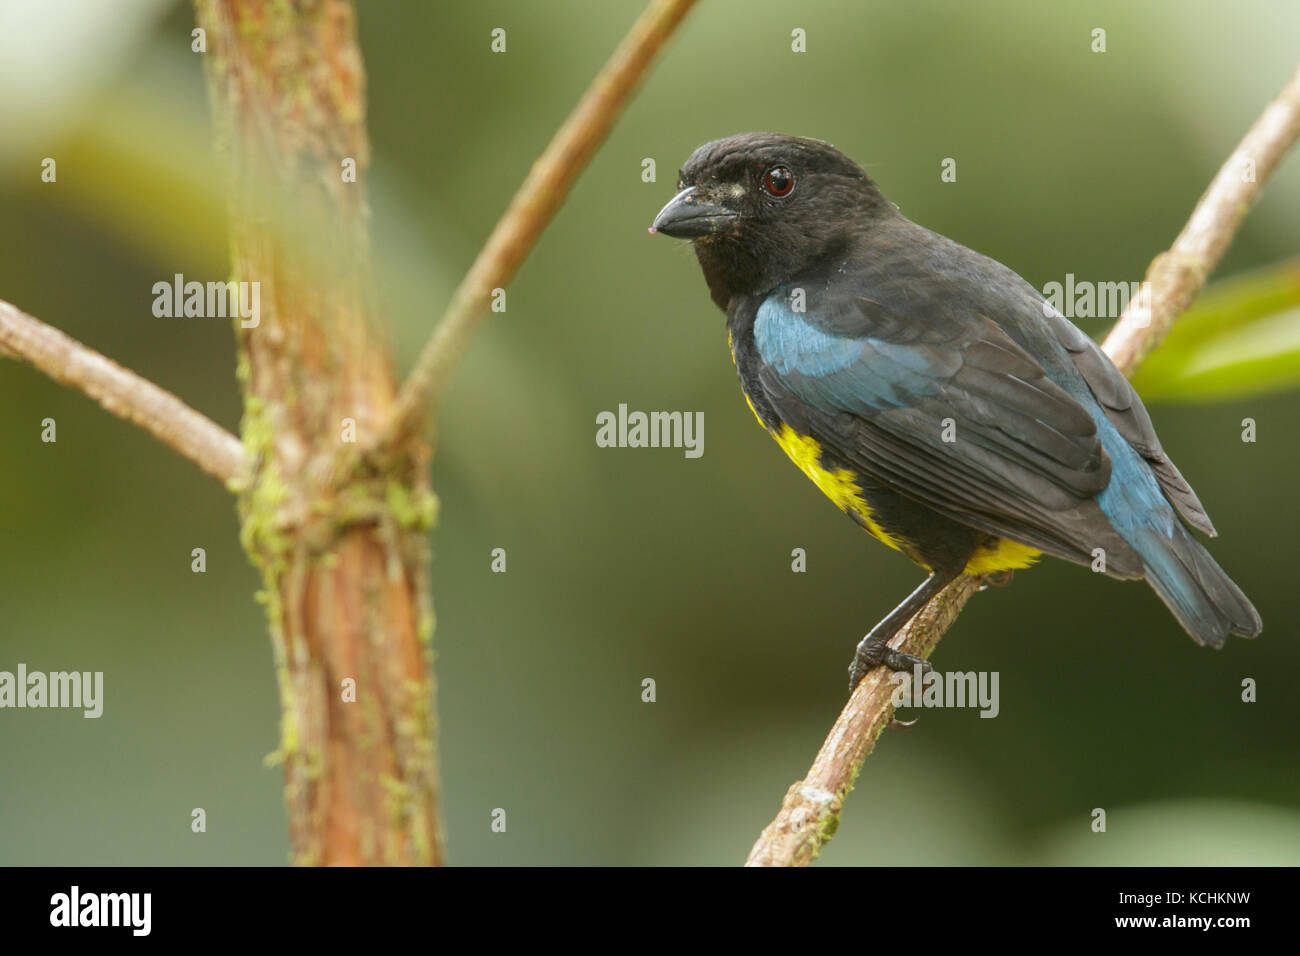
(533, 206)
(122, 393)
(810, 812)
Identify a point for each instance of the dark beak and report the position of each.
(688, 217)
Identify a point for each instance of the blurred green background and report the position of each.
(625, 563)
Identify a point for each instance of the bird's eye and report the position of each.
(778, 181)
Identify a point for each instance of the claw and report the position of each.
(871, 655)
(902, 724)
(874, 650)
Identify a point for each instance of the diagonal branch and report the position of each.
(121, 392)
(1177, 276)
(811, 810)
(533, 207)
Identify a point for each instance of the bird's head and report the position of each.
(759, 207)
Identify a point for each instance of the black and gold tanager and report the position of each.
(931, 393)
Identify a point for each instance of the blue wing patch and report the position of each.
(789, 343)
(856, 373)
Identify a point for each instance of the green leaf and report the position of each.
(1242, 338)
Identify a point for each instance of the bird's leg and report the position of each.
(874, 649)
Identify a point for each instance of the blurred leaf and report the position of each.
(54, 55)
(1242, 338)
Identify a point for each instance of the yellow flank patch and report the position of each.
(1006, 555)
(841, 485)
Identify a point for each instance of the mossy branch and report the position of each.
(344, 565)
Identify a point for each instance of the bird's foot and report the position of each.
(872, 653)
(999, 579)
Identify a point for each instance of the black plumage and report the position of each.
(930, 391)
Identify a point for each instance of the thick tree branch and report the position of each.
(811, 810)
(344, 566)
(122, 393)
(531, 210)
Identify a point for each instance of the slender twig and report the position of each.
(811, 810)
(533, 206)
(123, 393)
(1179, 274)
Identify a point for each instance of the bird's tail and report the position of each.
(1200, 594)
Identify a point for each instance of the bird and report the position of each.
(934, 395)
